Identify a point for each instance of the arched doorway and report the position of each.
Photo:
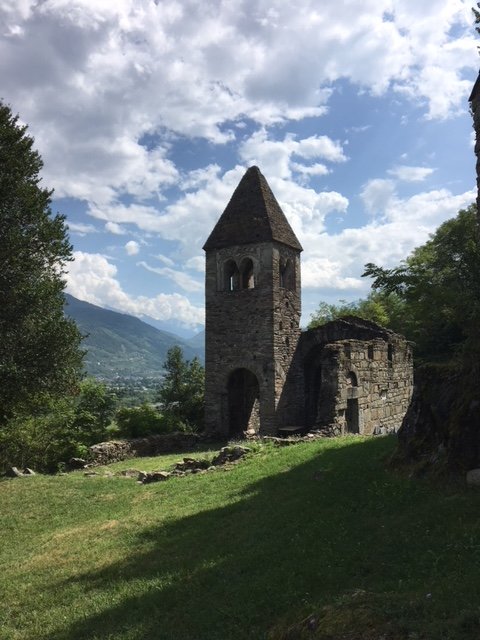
(243, 402)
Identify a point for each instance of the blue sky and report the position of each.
(147, 114)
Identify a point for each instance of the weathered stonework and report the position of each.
(262, 372)
(358, 377)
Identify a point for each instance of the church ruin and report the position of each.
(263, 374)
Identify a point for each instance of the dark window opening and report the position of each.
(352, 379)
(370, 351)
(231, 276)
(247, 275)
(390, 354)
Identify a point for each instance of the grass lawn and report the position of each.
(321, 533)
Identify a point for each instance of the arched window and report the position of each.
(231, 276)
(287, 274)
(352, 379)
(246, 274)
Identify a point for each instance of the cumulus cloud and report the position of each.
(377, 194)
(111, 90)
(81, 228)
(410, 174)
(91, 277)
(336, 261)
(132, 248)
(280, 157)
(104, 86)
(116, 229)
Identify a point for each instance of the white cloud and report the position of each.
(91, 277)
(183, 280)
(377, 194)
(116, 229)
(81, 228)
(132, 248)
(165, 259)
(410, 174)
(105, 86)
(277, 157)
(336, 261)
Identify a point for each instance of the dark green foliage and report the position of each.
(94, 410)
(439, 285)
(476, 15)
(57, 429)
(386, 309)
(39, 347)
(182, 392)
(138, 422)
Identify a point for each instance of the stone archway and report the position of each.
(243, 402)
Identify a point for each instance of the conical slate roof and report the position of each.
(253, 215)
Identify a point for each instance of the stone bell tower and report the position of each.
(253, 307)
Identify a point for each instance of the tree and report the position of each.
(439, 283)
(182, 391)
(94, 410)
(39, 348)
(386, 309)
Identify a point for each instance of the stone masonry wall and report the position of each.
(256, 329)
(238, 333)
(382, 384)
(357, 377)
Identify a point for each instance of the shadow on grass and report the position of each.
(298, 540)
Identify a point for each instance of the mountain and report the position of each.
(197, 341)
(121, 345)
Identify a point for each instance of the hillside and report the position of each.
(317, 541)
(121, 345)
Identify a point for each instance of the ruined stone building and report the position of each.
(262, 372)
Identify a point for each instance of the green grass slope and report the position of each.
(121, 345)
(315, 541)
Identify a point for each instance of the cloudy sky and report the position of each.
(147, 113)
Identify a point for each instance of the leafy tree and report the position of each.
(94, 410)
(137, 422)
(39, 347)
(182, 391)
(386, 309)
(439, 284)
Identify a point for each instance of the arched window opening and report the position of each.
(231, 276)
(352, 379)
(287, 275)
(247, 275)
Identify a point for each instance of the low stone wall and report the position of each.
(116, 450)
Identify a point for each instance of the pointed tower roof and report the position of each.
(253, 215)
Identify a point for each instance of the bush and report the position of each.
(50, 431)
(138, 422)
(41, 441)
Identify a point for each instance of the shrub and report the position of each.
(140, 421)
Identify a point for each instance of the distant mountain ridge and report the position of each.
(121, 345)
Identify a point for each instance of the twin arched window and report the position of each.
(236, 278)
